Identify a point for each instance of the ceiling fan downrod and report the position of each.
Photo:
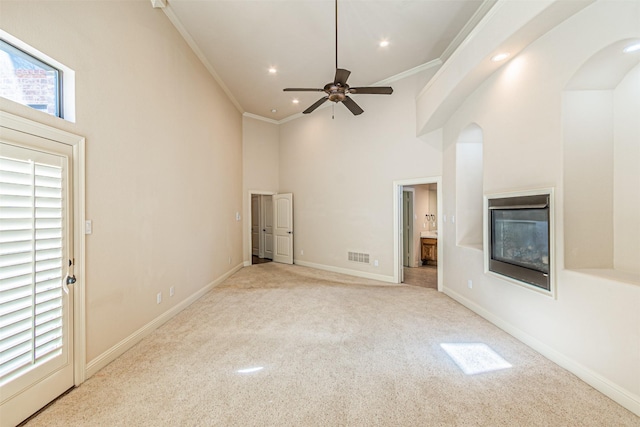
(336, 34)
(339, 90)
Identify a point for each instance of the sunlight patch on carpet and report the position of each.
(475, 358)
(250, 370)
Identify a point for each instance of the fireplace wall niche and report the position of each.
(519, 238)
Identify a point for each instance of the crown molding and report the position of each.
(159, 4)
(194, 47)
(257, 117)
(415, 70)
(468, 28)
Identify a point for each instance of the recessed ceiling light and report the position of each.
(274, 110)
(632, 48)
(499, 57)
(295, 100)
(384, 43)
(272, 70)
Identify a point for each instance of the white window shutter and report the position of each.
(31, 265)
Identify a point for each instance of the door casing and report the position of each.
(249, 246)
(77, 166)
(397, 225)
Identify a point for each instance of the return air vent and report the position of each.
(359, 257)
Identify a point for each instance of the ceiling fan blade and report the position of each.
(352, 106)
(318, 103)
(302, 89)
(341, 76)
(377, 90)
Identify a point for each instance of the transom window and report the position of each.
(29, 81)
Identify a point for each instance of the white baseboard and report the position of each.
(117, 350)
(595, 380)
(380, 277)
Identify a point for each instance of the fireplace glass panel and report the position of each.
(521, 237)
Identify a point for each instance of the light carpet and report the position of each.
(278, 345)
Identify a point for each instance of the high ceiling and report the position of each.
(240, 40)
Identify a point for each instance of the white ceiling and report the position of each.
(239, 40)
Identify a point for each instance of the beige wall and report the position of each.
(588, 178)
(165, 166)
(469, 187)
(163, 159)
(593, 326)
(341, 173)
(433, 207)
(260, 166)
(626, 174)
(260, 154)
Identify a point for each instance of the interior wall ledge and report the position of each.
(508, 27)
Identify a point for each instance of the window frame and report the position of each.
(65, 92)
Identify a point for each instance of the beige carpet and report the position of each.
(333, 351)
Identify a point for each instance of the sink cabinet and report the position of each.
(429, 251)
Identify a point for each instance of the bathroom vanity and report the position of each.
(429, 249)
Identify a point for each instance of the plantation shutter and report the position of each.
(31, 264)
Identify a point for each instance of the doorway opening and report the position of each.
(418, 245)
(261, 221)
(270, 232)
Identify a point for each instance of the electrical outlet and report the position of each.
(172, 291)
(88, 227)
(301, 251)
(470, 283)
(159, 298)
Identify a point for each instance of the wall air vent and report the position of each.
(359, 257)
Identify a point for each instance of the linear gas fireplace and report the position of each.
(519, 238)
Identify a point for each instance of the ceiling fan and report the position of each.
(339, 90)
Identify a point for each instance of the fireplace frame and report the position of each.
(530, 278)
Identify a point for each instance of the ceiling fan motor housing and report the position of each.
(336, 92)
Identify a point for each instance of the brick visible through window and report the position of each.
(29, 81)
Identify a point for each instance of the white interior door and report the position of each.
(267, 221)
(407, 228)
(36, 305)
(255, 225)
(283, 228)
